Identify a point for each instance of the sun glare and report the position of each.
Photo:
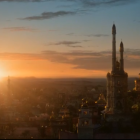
(2, 74)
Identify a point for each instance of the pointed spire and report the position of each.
(113, 47)
(121, 47)
(121, 44)
(113, 29)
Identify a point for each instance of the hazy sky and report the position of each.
(67, 38)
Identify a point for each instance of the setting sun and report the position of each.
(57, 42)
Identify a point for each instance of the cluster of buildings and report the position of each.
(116, 115)
(24, 116)
(137, 84)
(95, 114)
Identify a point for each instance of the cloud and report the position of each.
(132, 54)
(49, 15)
(137, 21)
(80, 59)
(52, 30)
(97, 35)
(86, 40)
(95, 3)
(75, 46)
(83, 3)
(80, 6)
(67, 43)
(20, 56)
(19, 29)
(24, 0)
(72, 44)
(90, 60)
(70, 34)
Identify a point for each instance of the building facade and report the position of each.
(117, 81)
(137, 83)
(85, 125)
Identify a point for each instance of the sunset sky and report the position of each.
(67, 38)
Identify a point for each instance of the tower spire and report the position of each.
(113, 48)
(121, 57)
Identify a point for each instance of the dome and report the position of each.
(113, 29)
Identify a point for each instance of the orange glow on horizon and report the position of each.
(47, 69)
(44, 69)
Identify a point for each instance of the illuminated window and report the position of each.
(85, 112)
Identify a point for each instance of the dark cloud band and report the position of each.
(19, 29)
(88, 60)
(49, 15)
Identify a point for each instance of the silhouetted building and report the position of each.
(117, 81)
(137, 83)
(85, 125)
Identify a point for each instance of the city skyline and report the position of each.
(60, 39)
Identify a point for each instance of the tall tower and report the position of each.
(121, 58)
(113, 48)
(117, 81)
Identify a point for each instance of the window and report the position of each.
(85, 112)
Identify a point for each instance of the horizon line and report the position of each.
(60, 77)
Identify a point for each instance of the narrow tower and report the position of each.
(113, 48)
(9, 94)
(121, 58)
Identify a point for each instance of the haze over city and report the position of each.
(69, 69)
(67, 38)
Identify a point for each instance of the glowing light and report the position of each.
(2, 73)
